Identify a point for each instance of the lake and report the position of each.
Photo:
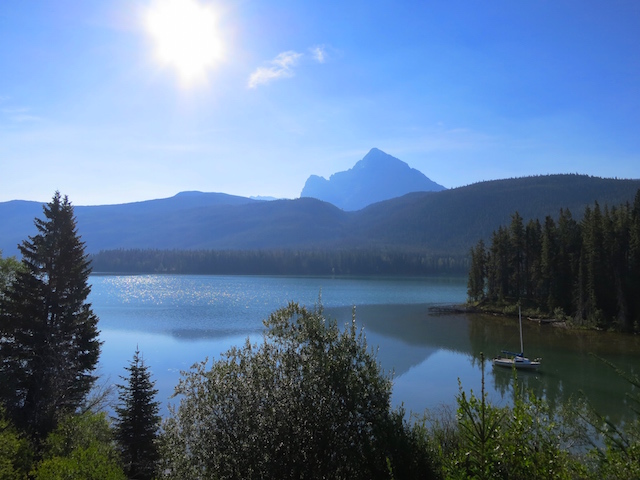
(177, 320)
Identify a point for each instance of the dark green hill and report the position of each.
(453, 220)
(441, 223)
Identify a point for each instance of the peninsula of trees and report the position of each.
(588, 270)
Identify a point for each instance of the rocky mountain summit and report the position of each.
(377, 177)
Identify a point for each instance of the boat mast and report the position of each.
(520, 319)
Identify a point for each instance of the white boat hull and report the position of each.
(517, 362)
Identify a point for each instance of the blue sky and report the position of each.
(464, 91)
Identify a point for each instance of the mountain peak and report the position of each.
(377, 159)
(377, 177)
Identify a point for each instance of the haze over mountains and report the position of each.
(377, 177)
(439, 223)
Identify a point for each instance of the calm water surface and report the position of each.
(179, 320)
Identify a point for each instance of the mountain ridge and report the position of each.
(445, 222)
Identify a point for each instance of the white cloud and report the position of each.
(19, 114)
(280, 67)
(319, 53)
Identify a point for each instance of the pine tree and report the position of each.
(594, 263)
(50, 345)
(549, 261)
(568, 262)
(634, 262)
(532, 258)
(516, 255)
(477, 273)
(137, 421)
(498, 267)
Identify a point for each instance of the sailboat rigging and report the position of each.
(517, 360)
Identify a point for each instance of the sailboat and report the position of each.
(517, 360)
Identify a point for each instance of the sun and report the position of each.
(186, 36)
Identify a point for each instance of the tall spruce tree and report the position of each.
(49, 344)
(532, 258)
(498, 267)
(516, 255)
(137, 421)
(634, 263)
(477, 273)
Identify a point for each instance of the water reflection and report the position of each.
(570, 367)
(176, 321)
(429, 353)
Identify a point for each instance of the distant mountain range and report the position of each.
(377, 177)
(443, 222)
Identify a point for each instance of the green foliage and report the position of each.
(9, 268)
(310, 401)
(588, 270)
(618, 456)
(80, 448)
(15, 452)
(50, 339)
(479, 424)
(523, 440)
(137, 421)
(531, 445)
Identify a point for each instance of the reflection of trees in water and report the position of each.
(569, 371)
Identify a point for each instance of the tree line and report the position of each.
(279, 262)
(587, 270)
(308, 401)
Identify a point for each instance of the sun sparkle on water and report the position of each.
(186, 37)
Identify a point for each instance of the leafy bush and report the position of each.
(310, 401)
(80, 448)
(488, 442)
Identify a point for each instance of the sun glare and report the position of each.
(186, 37)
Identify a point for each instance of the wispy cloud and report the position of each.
(319, 53)
(19, 114)
(279, 67)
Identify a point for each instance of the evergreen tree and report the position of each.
(532, 258)
(477, 273)
(589, 270)
(49, 333)
(516, 255)
(498, 265)
(549, 261)
(634, 262)
(138, 421)
(569, 244)
(594, 263)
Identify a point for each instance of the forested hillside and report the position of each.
(453, 220)
(432, 224)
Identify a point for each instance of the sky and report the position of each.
(115, 101)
